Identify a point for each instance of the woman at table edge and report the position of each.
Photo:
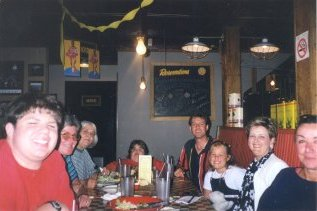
(296, 188)
(137, 147)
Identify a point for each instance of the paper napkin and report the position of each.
(109, 197)
(187, 200)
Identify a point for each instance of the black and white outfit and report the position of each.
(258, 177)
(228, 182)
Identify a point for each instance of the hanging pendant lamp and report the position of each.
(264, 50)
(195, 49)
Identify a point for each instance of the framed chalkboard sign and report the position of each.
(181, 90)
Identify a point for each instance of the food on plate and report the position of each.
(113, 177)
(139, 203)
(126, 205)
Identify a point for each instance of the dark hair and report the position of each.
(306, 119)
(28, 102)
(264, 122)
(228, 150)
(141, 143)
(71, 120)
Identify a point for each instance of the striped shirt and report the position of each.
(72, 173)
(83, 163)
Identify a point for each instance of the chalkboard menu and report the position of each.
(181, 91)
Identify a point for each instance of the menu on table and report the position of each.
(145, 168)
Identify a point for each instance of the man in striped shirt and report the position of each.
(69, 140)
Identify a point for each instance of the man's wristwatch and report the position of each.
(56, 205)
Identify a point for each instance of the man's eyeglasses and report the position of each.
(68, 136)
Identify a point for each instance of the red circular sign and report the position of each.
(302, 48)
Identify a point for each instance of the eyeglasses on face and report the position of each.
(68, 136)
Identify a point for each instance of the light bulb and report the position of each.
(140, 48)
(142, 84)
(272, 83)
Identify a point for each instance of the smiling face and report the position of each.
(259, 141)
(87, 135)
(135, 152)
(33, 137)
(68, 140)
(198, 127)
(218, 158)
(306, 145)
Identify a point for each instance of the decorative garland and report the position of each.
(114, 25)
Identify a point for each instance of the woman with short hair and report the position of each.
(262, 135)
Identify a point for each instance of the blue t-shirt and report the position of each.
(289, 192)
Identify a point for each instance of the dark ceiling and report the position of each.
(170, 23)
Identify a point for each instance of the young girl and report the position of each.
(223, 176)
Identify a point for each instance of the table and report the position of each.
(180, 187)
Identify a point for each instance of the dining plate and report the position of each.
(142, 203)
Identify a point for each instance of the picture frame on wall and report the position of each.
(36, 86)
(36, 70)
(12, 76)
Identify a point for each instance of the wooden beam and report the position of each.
(231, 72)
(306, 74)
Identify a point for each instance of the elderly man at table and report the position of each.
(69, 140)
(32, 173)
(296, 188)
(86, 169)
(193, 157)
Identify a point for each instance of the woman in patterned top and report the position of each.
(261, 172)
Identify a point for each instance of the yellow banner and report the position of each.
(128, 17)
(114, 25)
(72, 58)
(94, 63)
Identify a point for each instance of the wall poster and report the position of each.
(11, 77)
(181, 90)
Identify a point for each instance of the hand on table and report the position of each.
(91, 183)
(105, 171)
(84, 201)
(179, 173)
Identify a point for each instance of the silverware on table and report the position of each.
(191, 199)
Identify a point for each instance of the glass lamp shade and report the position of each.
(195, 49)
(140, 48)
(264, 50)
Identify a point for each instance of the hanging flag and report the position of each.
(72, 58)
(94, 64)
